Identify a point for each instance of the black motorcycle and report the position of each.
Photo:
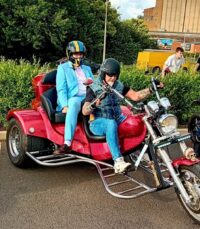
(194, 128)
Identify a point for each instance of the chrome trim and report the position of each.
(144, 149)
(102, 167)
(163, 154)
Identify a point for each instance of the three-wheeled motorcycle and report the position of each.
(144, 137)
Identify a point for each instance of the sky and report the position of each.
(131, 8)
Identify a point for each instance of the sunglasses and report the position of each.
(111, 75)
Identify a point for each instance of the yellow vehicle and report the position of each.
(153, 60)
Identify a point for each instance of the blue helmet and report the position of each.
(75, 47)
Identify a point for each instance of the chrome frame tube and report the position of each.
(141, 156)
(163, 154)
(70, 159)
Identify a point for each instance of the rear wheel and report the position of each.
(190, 177)
(19, 143)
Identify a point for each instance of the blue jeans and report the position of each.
(109, 128)
(74, 107)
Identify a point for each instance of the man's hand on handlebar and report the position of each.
(156, 83)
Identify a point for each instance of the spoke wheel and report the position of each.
(190, 177)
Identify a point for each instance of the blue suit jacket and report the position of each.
(67, 83)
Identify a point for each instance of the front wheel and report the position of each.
(190, 177)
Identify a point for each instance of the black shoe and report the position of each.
(63, 149)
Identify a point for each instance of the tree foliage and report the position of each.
(42, 28)
(131, 36)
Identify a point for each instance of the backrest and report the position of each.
(49, 97)
(49, 102)
(50, 78)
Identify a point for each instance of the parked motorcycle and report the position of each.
(144, 137)
(194, 128)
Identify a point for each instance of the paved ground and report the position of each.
(73, 197)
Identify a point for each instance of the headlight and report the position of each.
(165, 103)
(168, 123)
(153, 106)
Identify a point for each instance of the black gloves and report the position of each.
(157, 83)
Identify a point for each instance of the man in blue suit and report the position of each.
(71, 90)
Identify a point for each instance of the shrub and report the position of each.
(16, 89)
(15, 84)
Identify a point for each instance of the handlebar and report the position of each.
(108, 89)
(126, 100)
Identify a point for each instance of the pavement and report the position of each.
(73, 197)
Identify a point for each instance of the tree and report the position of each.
(130, 38)
(42, 28)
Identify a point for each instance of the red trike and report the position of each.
(144, 137)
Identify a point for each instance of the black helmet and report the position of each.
(110, 66)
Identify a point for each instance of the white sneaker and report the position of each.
(120, 165)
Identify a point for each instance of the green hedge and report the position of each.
(16, 90)
(181, 89)
(15, 84)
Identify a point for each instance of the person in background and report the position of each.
(71, 90)
(174, 62)
(197, 66)
(107, 114)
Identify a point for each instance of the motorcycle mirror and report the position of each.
(88, 82)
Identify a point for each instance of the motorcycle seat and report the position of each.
(89, 134)
(49, 103)
(49, 98)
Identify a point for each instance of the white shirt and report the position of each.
(81, 79)
(173, 63)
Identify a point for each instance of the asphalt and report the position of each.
(73, 197)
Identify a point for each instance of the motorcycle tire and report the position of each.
(18, 143)
(197, 149)
(190, 177)
(193, 124)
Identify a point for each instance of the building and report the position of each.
(174, 18)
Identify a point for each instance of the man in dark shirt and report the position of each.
(197, 67)
(107, 113)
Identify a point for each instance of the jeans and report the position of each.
(74, 107)
(109, 128)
